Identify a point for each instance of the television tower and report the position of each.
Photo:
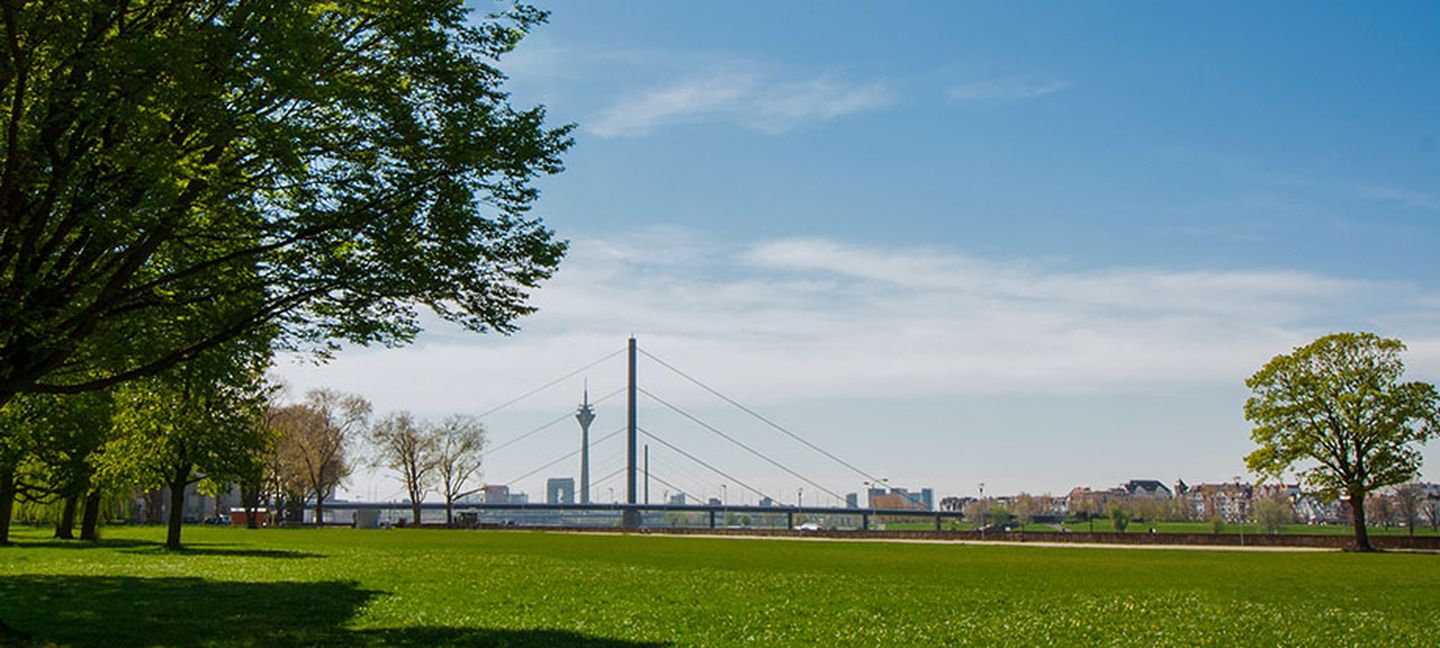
(585, 416)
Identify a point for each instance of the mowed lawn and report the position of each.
(410, 587)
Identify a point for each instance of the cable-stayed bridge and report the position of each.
(680, 467)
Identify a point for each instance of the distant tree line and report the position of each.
(224, 427)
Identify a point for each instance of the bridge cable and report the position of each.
(550, 424)
(757, 415)
(596, 484)
(702, 462)
(567, 455)
(737, 442)
(677, 488)
(549, 384)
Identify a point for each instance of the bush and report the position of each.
(1119, 517)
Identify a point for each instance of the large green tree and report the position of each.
(347, 161)
(1337, 412)
(197, 422)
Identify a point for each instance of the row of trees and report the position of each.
(443, 457)
(1406, 505)
(186, 187)
(222, 431)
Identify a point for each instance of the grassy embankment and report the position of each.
(431, 587)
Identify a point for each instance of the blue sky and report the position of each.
(1034, 245)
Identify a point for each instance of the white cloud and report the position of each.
(750, 99)
(841, 341)
(1415, 199)
(1009, 89)
(817, 319)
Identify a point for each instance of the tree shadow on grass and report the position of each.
(153, 548)
(42, 610)
(203, 550)
(56, 543)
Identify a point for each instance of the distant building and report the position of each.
(677, 500)
(902, 498)
(496, 494)
(714, 501)
(1227, 500)
(871, 494)
(765, 501)
(560, 490)
(1147, 488)
(852, 500)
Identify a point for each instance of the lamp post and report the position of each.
(1240, 510)
(724, 497)
(984, 511)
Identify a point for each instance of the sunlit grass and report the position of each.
(434, 587)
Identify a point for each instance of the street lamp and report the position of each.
(984, 511)
(724, 497)
(1240, 510)
(612, 494)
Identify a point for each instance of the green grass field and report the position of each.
(434, 587)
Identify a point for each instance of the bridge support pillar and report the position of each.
(937, 523)
(712, 519)
(790, 519)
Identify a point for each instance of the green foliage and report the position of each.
(1273, 513)
(195, 422)
(1339, 404)
(1119, 517)
(1337, 412)
(429, 588)
(341, 163)
(1217, 524)
(996, 515)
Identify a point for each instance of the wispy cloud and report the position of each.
(750, 99)
(1007, 89)
(1415, 199)
(825, 319)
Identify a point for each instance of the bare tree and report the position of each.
(1383, 506)
(1024, 509)
(459, 441)
(314, 439)
(1432, 512)
(410, 450)
(1409, 498)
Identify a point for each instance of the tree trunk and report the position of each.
(449, 512)
(319, 509)
(65, 528)
(154, 500)
(1357, 515)
(250, 499)
(7, 500)
(177, 505)
(415, 510)
(90, 522)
